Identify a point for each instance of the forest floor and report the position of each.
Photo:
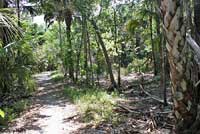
(142, 111)
(52, 113)
(48, 112)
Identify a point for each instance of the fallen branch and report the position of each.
(129, 91)
(137, 84)
(153, 97)
(132, 110)
(128, 109)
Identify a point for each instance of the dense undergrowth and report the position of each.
(10, 112)
(95, 105)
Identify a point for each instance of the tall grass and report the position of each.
(95, 105)
(57, 76)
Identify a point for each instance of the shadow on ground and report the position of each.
(48, 110)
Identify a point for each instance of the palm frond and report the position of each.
(9, 31)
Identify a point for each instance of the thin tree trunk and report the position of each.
(152, 42)
(97, 56)
(60, 34)
(189, 15)
(18, 12)
(1, 30)
(78, 59)
(115, 44)
(78, 62)
(90, 58)
(1, 3)
(119, 69)
(163, 72)
(70, 59)
(85, 49)
(60, 39)
(137, 43)
(109, 66)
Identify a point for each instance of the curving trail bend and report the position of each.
(50, 112)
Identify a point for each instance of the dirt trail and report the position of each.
(49, 113)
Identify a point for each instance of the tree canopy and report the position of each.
(113, 48)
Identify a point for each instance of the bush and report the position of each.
(13, 111)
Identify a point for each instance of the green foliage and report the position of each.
(126, 71)
(19, 106)
(13, 111)
(15, 73)
(138, 65)
(57, 76)
(11, 30)
(95, 105)
(47, 52)
(132, 25)
(17, 64)
(2, 114)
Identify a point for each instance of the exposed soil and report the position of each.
(52, 113)
(49, 112)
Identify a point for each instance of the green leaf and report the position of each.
(2, 114)
(132, 25)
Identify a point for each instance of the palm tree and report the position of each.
(60, 10)
(185, 93)
(9, 31)
(68, 21)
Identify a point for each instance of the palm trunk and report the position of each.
(184, 97)
(61, 44)
(68, 20)
(162, 59)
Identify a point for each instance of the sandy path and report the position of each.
(50, 112)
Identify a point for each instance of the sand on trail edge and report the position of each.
(49, 112)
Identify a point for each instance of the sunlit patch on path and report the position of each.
(48, 112)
